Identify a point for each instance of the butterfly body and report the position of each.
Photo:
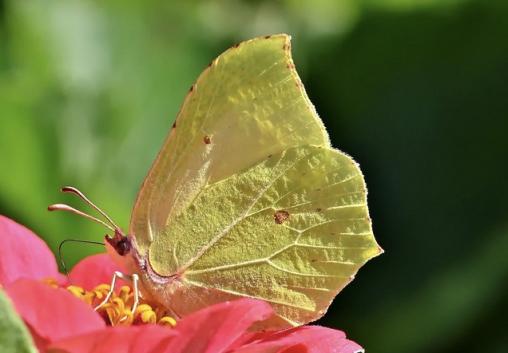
(247, 198)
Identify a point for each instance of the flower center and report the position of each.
(117, 311)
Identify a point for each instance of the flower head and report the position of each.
(59, 311)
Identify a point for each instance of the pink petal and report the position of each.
(51, 313)
(214, 329)
(94, 270)
(23, 254)
(299, 348)
(316, 339)
(135, 339)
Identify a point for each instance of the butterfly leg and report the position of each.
(134, 278)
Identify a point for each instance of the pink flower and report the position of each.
(59, 321)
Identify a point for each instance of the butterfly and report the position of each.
(247, 197)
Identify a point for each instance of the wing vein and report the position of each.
(241, 294)
(226, 230)
(306, 274)
(225, 267)
(345, 180)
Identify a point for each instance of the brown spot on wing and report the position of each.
(280, 216)
(207, 139)
(174, 124)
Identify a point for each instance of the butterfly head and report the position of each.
(119, 242)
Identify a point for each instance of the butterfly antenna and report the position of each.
(60, 252)
(82, 196)
(64, 207)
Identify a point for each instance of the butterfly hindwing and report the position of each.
(292, 230)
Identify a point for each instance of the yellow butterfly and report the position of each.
(247, 198)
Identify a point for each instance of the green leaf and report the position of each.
(14, 336)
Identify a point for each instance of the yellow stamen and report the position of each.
(148, 317)
(77, 291)
(117, 311)
(51, 282)
(167, 321)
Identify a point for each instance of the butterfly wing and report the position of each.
(248, 199)
(247, 104)
(292, 230)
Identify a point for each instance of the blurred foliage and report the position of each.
(415, 90)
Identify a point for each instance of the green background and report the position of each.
(415, 90)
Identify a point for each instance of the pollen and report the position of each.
(117, 311)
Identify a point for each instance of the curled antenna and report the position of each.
(60, 253)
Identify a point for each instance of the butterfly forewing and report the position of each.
(247, 104)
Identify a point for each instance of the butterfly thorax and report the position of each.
(124, 251)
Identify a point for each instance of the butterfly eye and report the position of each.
(120, 243)
(124, 246)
